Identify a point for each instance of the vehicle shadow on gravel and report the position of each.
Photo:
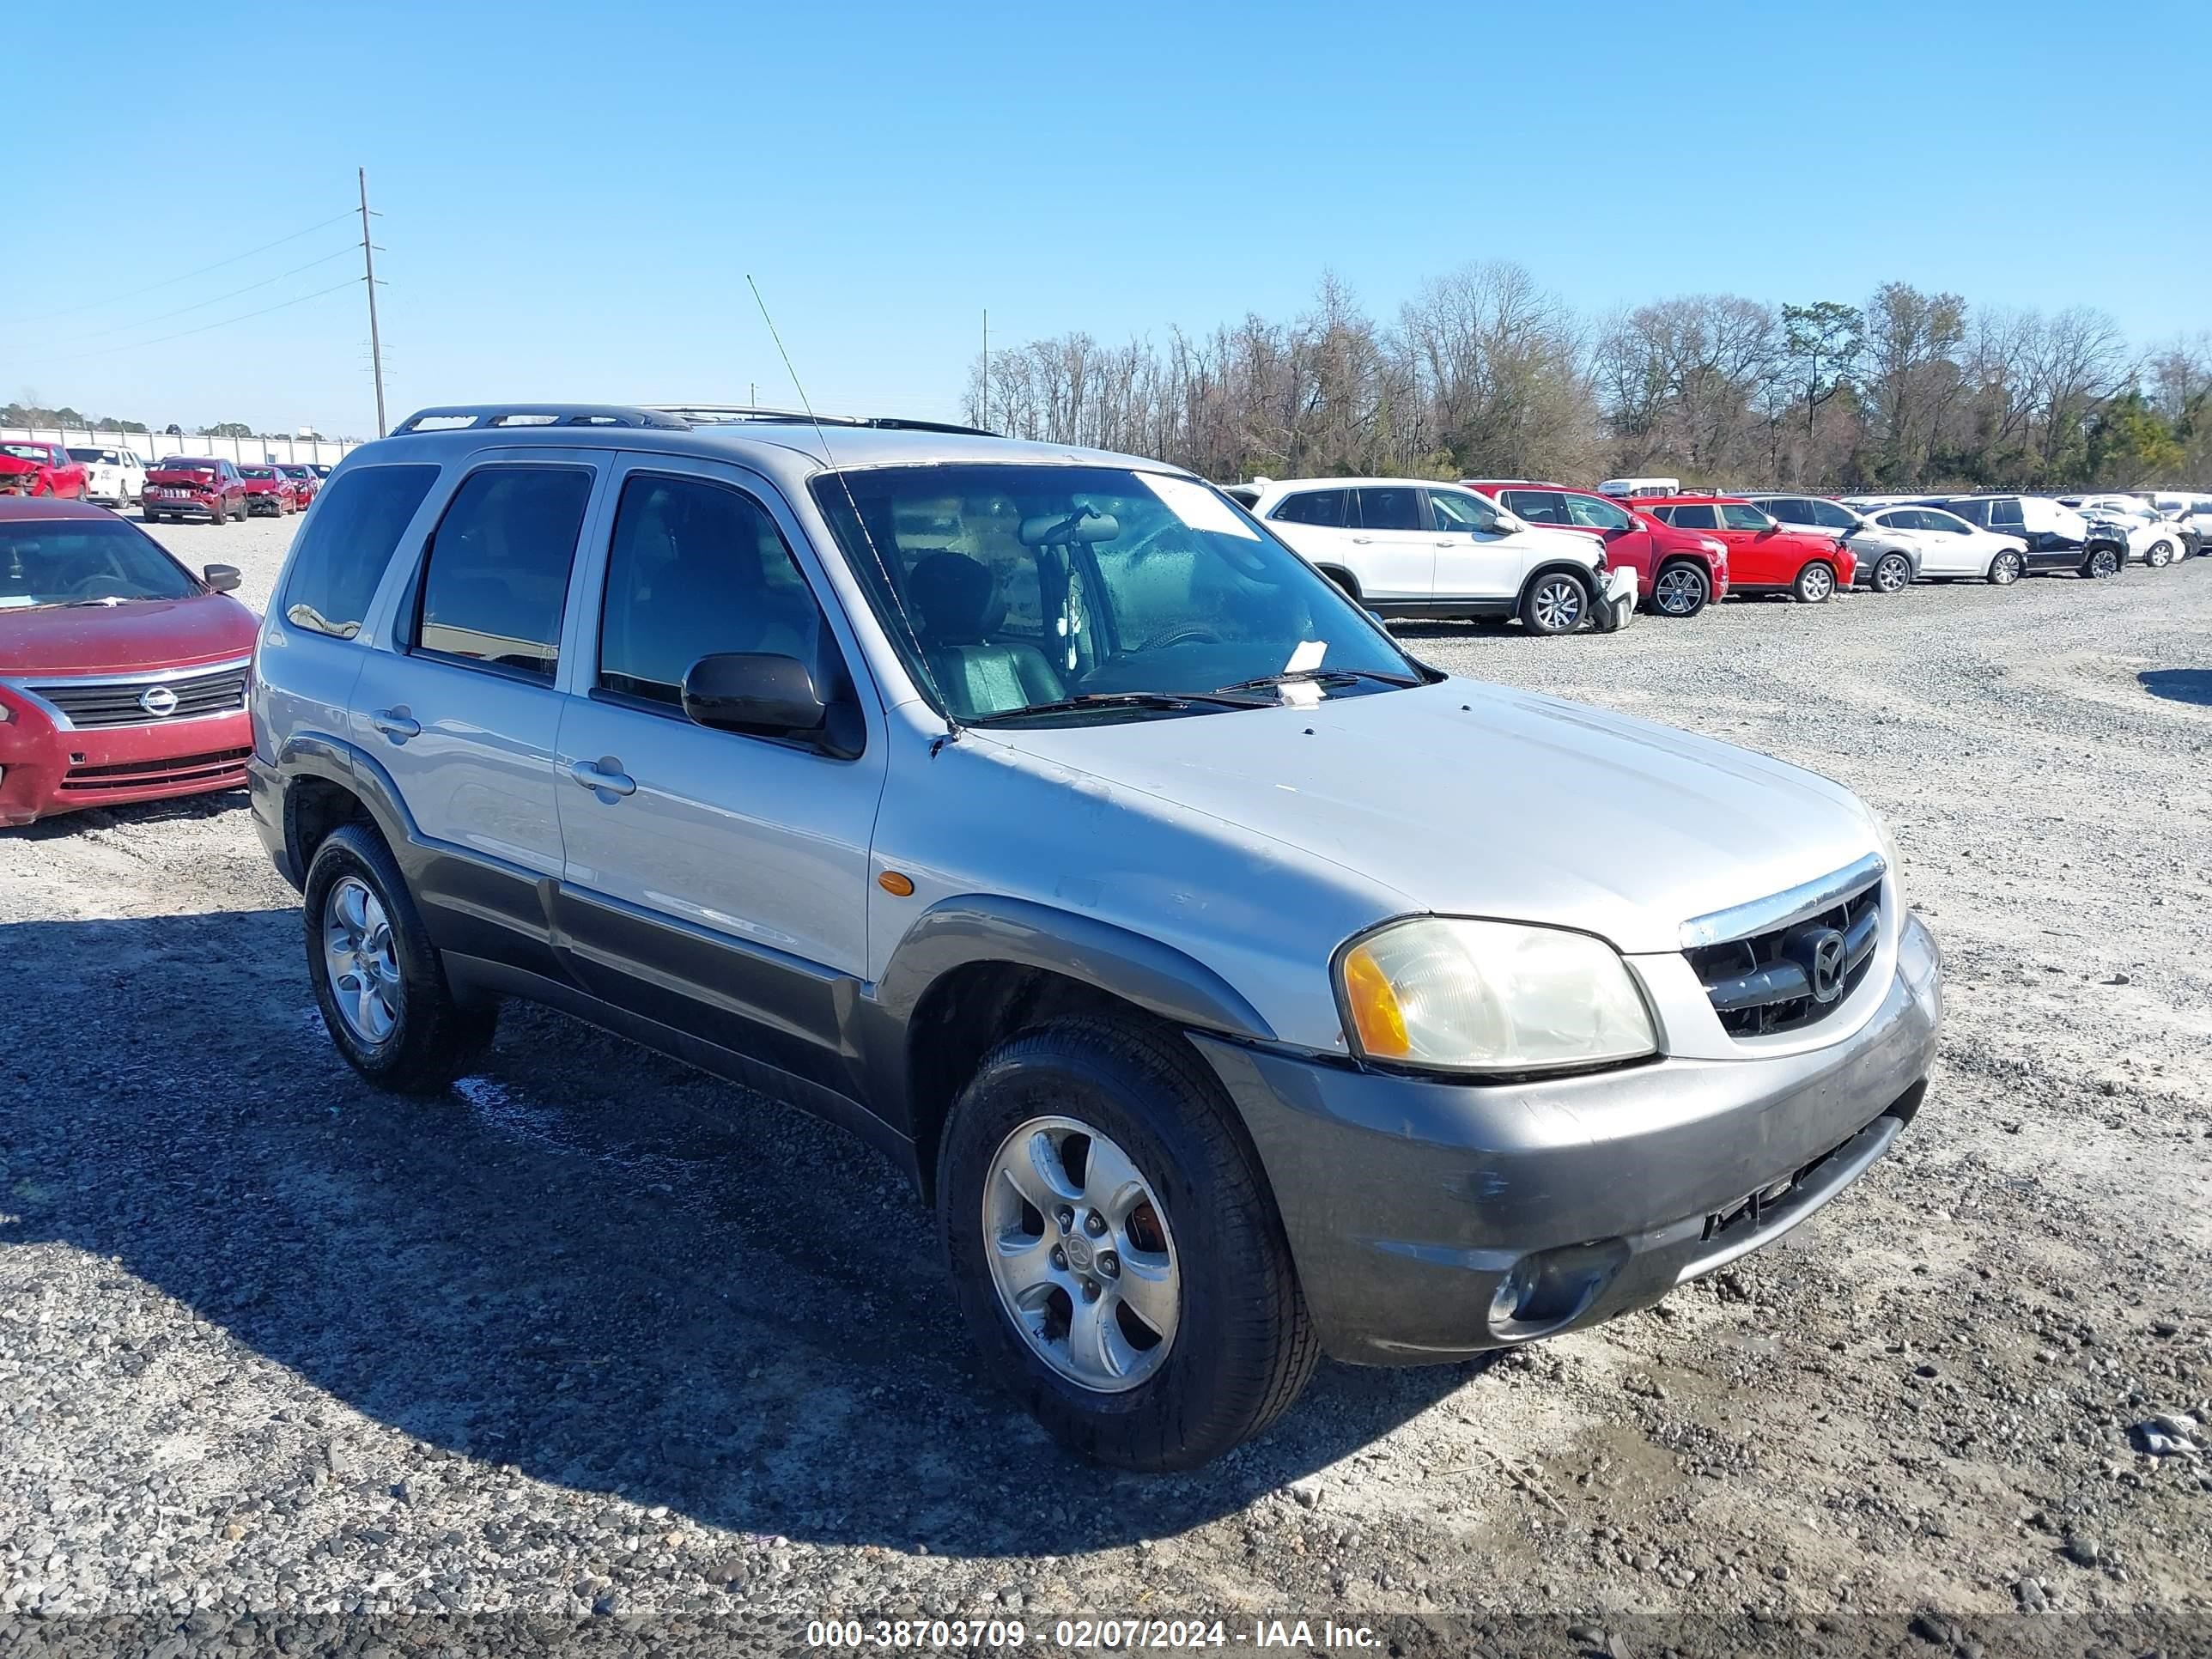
(2178, 684)
(589, 1262)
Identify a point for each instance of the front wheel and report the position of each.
(1892, 574)
(1680, 591)
(1556, 603)
(2007, 569)
(1814, 583)
(1114, 1248)
(379, 982)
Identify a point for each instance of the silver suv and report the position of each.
(1237, 988)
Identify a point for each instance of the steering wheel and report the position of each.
(1188, 634)
(96, 579)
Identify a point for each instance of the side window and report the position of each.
(1591, 513)
(1694, 516)
(1735, 517)
(1829, 516)
(345, 545)
(2005, 515)
(1468, 515)
(497, 579)
(697, 568)
(1323, 507)
(1536, 506)
(1788, 510)
(1388, 509)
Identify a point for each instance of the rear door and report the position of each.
(1393, 541)
(463, 711)
(714, 881)
(1322, 524)
(1477, 557)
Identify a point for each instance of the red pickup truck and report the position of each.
(29, 466)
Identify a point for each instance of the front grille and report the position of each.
(1791, 977)
(223, 763)
(119, 702)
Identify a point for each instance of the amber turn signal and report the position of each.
(895, 884)
(1372, 1003)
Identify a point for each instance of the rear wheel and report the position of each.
(1681, 590)
(2006, 568)
(378, 980)
(1114, 1248)
(1814, 583)
(2101, 564)
(1557, 602)
(2161, 554)
(1892, 574)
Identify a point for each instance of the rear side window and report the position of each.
(497, 579)
(1736, 517)
(697, 568)
(1693, 517)
(1829, 516)
(1388, 509)
(2006, 515)
(347, 541)
(1323, 507)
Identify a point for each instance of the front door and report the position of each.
(463, 710)
(714, 881)
(1477, 556)
(1761, 553)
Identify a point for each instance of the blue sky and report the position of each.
(574, 194)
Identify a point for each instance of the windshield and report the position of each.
(1029, 586)
(63, 560)
(258, 472)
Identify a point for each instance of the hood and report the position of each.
(1551, 541)
(183, 475)
(123, 639)
(17, 464)
(1475, 799)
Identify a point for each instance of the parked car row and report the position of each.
(115, 475)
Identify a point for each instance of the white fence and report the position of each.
(153, 445)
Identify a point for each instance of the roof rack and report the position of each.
(461, 417)
(720, 413)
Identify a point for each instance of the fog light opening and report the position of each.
(1512, 1295)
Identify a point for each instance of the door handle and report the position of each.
(605, 773)
(1362, 541)
(396, 724)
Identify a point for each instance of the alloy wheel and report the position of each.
(1558, 604)
(1081, 1253)
(360, 961)
(1680, 591)
(2005, 568)
(1892, 574)
(1816, 584)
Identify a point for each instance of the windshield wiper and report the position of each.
(1087, 701)
(105, 599)
(1323, 677)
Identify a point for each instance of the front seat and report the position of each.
(962, 607)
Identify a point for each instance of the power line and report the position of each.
(171, 282)
(140, 345)
(163, 316)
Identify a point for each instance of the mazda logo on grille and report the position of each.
(158, 701)
(1827, 967)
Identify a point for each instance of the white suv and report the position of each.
(115, 476)
(1410, 548)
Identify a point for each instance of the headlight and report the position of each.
(1889, 843)
(1491, 996)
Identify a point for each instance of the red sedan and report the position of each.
(123, 676)
(270, 491)
(31, 467)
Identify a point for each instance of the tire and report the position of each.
(2100, 564)
(220, 513)
(431, 1038)
(1681, 589)
(1242, 1344)
(2161, 554)
(1892, 573)
(2007, 569)
(1557, 602)
(1814, 584)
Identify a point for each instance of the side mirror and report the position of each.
(765, 695)
(221, 577)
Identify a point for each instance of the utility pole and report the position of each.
(369, 265)
(985, 420)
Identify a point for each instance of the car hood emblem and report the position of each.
(158, 701)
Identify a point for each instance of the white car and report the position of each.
(1412, 548)
(115, 478)
(2153, 539)
(1949, 547)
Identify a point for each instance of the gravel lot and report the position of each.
(597, 1335)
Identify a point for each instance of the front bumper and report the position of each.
(44, 770)
(1407, 1200)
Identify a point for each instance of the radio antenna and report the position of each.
(890, 582)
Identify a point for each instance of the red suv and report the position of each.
(30, 467)
(193, 487)
(123, 676)
(1764, 557)
(303, 480)
(1676, 570)
(270, 489)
